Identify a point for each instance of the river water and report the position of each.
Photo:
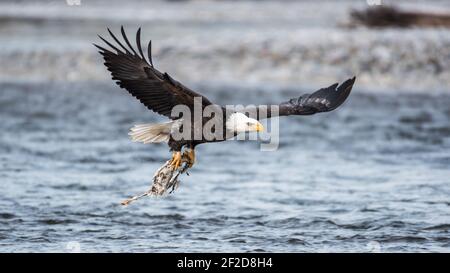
(371, 176)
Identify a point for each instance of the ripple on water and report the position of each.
(336, 183)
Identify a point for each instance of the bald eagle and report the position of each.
(160, 93)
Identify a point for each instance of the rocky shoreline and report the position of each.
(222, 47)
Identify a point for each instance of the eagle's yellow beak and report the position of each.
(259, 127)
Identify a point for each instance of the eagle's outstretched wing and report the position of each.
(158, 91)
(322, 100)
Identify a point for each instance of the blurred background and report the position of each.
(371, 176)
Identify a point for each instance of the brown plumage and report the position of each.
(158, 91)
(161, 93)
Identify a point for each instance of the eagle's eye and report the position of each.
(249, 124)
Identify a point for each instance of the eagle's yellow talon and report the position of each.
(175, 162)
(189, 157)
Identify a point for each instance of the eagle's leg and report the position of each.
(189, 157)
(175, 162)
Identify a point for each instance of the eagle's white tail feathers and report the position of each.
(151, 133)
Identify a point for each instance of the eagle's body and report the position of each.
(161, 93)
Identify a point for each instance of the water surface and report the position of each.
(374, 170)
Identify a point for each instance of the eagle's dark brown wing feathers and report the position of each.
(158, 91)
(323, 100)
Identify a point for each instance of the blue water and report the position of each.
(373, 173)
(371, 176)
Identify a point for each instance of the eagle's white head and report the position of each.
(240, 123)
